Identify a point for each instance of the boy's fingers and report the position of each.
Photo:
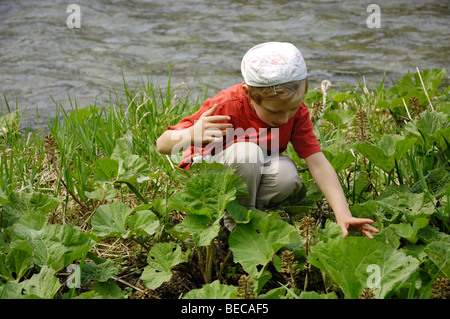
(372, 229)
(344, 231)
(218, 118)
(221, 126)
(368, 234)
(210, 112)
(363, 221)
(211, 132)
(215, 118)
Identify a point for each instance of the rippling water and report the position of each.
(41, 59)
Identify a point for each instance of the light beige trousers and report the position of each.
(269, 179)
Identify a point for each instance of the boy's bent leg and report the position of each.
(280, 183)
(247, 159)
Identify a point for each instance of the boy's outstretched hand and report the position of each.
(361, 225)
(326, 178)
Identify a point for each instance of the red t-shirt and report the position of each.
(248, 127)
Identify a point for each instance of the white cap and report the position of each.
(273, 63)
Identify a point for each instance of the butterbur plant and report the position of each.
(306, 230)
(362, 130)
(367, 293)
(204, 198)
(246, 288)
(289, 268)
(416, 106)
(441, 288)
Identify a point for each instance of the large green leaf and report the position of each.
(355, 263)
(429, 234)
(101, 272)
(338, 158)
(431, 80)
(105, 170)
(18, 261)
(439, 253)
(208, 192)
(340, 116)
(129, 164)
(409, 231)
(211, 189)
(144, 222)
(161, 258)
(433, 127)
(411, 85)
(43, 285)
(238, 212)
(437, 181)
(201, 228)
(214, 290)
(54, 246)
(122, 167)
(254, 244)
(22, 204)
(390, 148)
(110, 220)
(102, 192)
(83, 115)
(11, 290)
(135, 166)
(412, 206)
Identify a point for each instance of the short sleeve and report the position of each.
(303, 138)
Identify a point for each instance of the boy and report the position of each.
(250, 124)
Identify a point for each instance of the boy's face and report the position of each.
(276, 112)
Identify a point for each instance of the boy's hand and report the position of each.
(207, 130)
(361, 225)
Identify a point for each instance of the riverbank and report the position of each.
(44, 60)
(94, 193)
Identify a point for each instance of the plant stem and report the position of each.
(137, 241)
(210, 252)
(224, 263)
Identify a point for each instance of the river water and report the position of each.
(42, 60)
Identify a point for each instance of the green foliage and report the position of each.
(205, 197)
(161, 258)
(348, 262)
(439, 253)
(263, 236)
(214, 290)
(437, 181)
(209, 191)
(390, 148)
(111, 220)
(23, 204)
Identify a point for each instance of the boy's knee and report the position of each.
(288, 180)
(281, 183)
(248, 153)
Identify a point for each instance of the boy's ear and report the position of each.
(306, 86)
(245, 88)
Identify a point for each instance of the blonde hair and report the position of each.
(285, 91)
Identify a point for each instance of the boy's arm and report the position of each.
(166, 143)
(326, 179)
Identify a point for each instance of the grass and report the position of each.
(60, 162)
